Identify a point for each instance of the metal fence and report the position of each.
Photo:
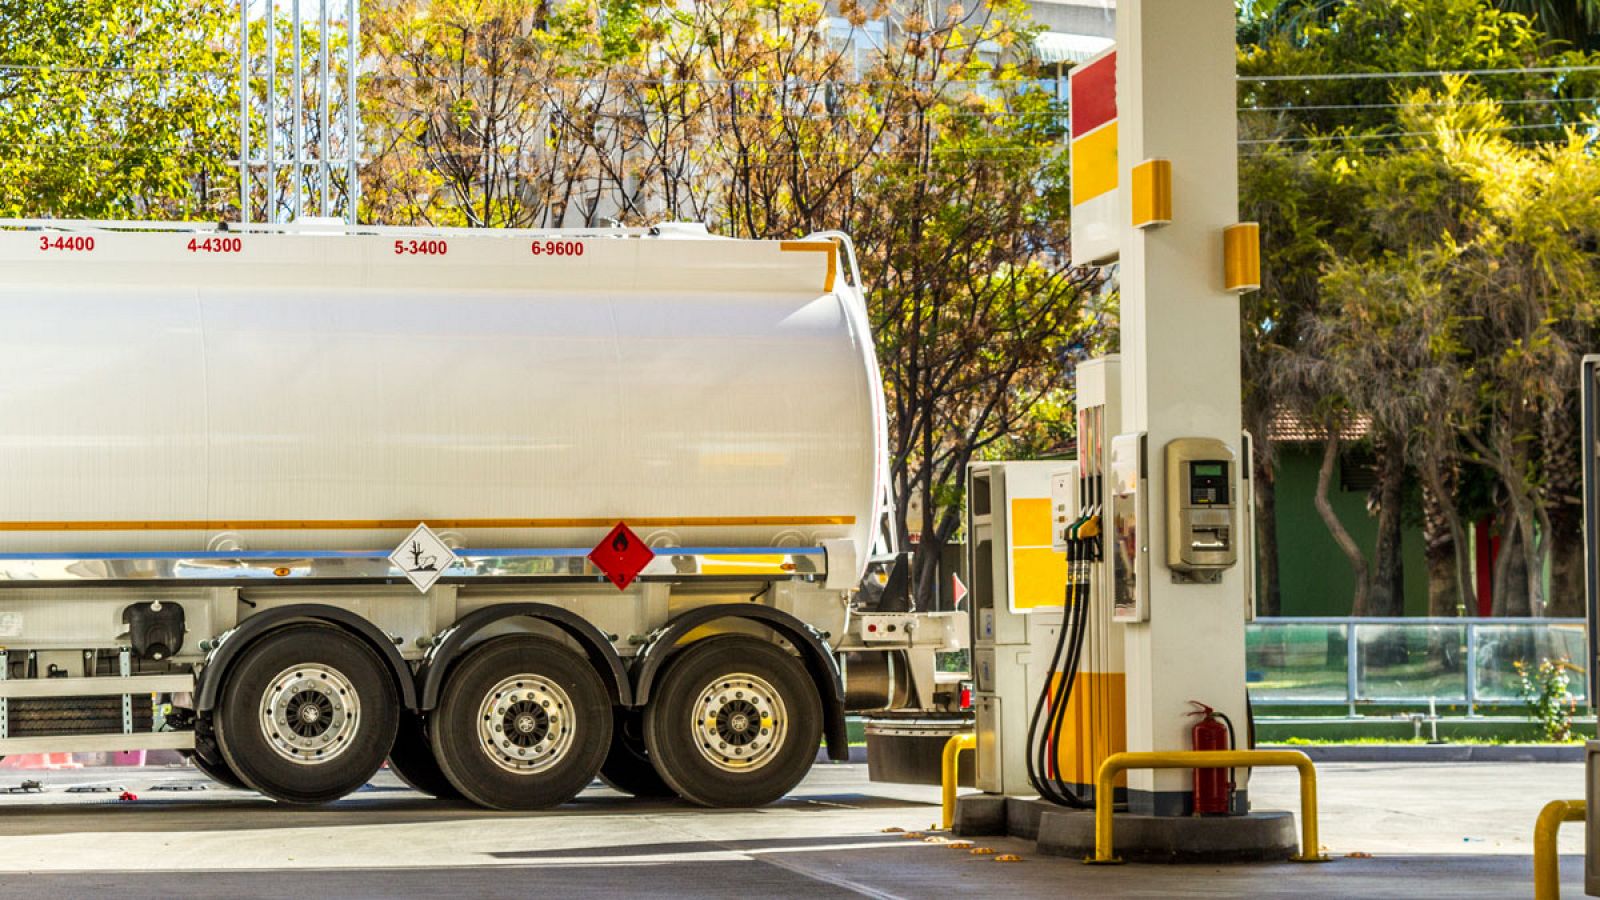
(1352, 662)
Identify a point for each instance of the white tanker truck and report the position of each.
(214, 438)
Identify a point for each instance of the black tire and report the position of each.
(218, 771)
(783, 737)
(207, 757)
(411, 760)
(627, 767)
(555, 701)
(291, 669)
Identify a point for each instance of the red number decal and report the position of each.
(421, 248)
(73, 243)
(556, 248)
(216, 245)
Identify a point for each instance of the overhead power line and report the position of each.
(1318, 107)
(1422, 73)
(1334, 138)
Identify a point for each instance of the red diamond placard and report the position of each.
(621, 555)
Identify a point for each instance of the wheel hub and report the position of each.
(740, 722)
(525, 724)
(309, 713)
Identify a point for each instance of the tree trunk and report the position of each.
(1467, 587)
(1511, 576)
(1448, 553)
(1269, 597)
(1388, 578)
(1566, 561)
(1440, 553)
(1531, 571)
(1347, 544)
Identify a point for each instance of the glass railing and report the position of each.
(1404, 662)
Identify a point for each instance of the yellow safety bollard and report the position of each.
(1116, 763)
(1546, 861)
(948, 770)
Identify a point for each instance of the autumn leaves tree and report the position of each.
(924, 136)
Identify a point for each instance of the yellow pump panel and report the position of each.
(1038, 572)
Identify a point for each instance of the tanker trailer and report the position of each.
(509, 509)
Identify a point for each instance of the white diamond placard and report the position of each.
(422, 557)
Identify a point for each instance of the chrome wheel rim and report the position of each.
(740, 722)
(310, 713)
(525, 724)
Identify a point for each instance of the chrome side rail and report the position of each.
(19, 570)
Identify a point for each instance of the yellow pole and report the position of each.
(948, 770)
(1116, 763)
(1546, 861)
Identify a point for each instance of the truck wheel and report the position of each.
(307, 715)
(523, 723)
(411, 760)
(627, 767)
(734, 721)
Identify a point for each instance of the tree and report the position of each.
(114, 109)
(1457, 328)
(477, 111)
(775, 120)
(1313, 171)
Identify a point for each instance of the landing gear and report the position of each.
(307, 715)
(523, 723)
(734, 721)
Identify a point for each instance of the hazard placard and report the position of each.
(422, 557)
(621, 555)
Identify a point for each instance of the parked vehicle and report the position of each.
(220, 445)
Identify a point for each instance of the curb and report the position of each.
(1430, 753)
(857, 755)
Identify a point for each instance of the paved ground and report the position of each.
(1459, 830)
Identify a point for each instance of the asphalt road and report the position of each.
(1432, 831)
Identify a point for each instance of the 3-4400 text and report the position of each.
(80, 243)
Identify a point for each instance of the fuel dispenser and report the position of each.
(1047, 657)
(1052, 640)
(1018, 582)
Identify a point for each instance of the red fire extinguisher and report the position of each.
(1213, 788)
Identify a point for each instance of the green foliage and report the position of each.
(116, 109)
(1429, 253)
(1545, 692)
(1386, 36)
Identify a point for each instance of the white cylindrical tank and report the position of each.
(171, 391)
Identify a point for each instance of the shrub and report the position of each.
(1546, 693)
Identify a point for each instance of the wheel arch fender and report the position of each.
(602, 655)
(818, 657)
(239, 639)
